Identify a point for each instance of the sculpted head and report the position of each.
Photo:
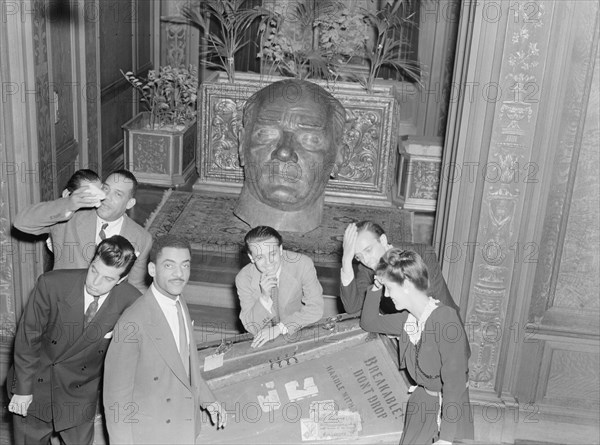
(289, 147)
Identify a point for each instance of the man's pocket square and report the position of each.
(109, 334)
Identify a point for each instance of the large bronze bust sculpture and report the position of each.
(289, 146)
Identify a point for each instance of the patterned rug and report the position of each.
(208, 222)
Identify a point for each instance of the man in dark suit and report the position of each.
(152, 383)
(61, 342)
(76, 227)
(366, 242)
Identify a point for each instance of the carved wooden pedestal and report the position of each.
(419, 171)
(159, 156)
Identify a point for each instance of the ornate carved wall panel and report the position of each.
(578, 280)
(569, 376)
(564, 312)
(573, 376)
(565, 291)
(512, 137)
(179, 44)
(7, 293)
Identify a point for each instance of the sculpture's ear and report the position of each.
(241, 145)
(339, 159)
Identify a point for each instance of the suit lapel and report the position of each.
(71, 306)
(194, 365)
(161, 335)
(85, 230)
(128, 231)
(107, 315)
(125, 226)
(102, 323)
(255, 277)
(288, 285)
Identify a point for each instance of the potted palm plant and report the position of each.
(223, 41)
(160, 143)
(332, 40)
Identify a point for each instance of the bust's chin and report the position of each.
(282, 198)
(292, 216)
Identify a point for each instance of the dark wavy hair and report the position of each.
(261, 233)
(162, 242)
(79, 176)
(117, 252)
(370, 226)
(399, 265)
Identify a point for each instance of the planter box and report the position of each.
(370, 139)
(419, 173)
(161, 156)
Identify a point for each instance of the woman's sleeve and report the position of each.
(372, 320)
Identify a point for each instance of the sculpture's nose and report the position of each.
(285, 149)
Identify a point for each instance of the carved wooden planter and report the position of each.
(370, 139)
(159, 156)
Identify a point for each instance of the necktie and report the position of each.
(184, 346)
(102, 233)
(275, 308)
(91, 311)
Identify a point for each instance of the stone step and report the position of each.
(222, 269)
(213, 301)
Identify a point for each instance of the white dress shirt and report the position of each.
(113, 228)
(268, 304)
(88, 299)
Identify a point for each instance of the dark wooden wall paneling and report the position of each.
(116, 53)
(125, 44)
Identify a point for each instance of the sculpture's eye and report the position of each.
(265, 135)
(311, 141)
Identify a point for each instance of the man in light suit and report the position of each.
(76, 227)
(152, 383)
(61, 342)
(279, 291)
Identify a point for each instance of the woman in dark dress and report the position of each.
(433, 349)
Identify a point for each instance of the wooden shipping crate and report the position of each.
(332, 381)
